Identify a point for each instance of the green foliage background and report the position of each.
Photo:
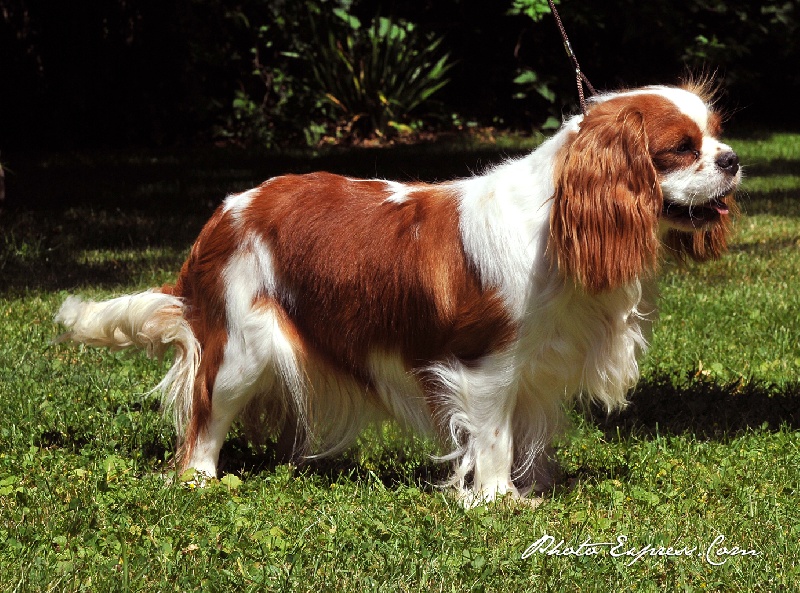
(156, 73)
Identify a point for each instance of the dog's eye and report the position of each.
(686, 147)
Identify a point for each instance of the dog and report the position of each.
(471, 310)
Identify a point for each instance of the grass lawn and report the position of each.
(696, 484)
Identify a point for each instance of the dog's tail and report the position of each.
(152, 321)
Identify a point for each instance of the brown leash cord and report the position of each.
(580, 76)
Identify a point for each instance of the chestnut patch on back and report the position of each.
(363, 272)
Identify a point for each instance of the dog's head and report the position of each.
(645, 167)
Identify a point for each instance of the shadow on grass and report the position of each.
(105, 249)
(703, 408)
(394, 468)
(765, 248)
(63, 209)
(700, 408)
(184, 181)
(774, 167)
(778, 202)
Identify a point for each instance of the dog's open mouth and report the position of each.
(695, 216)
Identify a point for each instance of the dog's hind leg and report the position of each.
(209, 438)
(257, 358)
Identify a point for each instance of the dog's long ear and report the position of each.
(604, 220)
(705, 244)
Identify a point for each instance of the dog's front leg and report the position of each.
(493, 444)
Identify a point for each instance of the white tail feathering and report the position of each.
(152, 321)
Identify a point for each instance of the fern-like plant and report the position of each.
(376, 76)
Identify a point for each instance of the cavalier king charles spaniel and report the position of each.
(470, 310)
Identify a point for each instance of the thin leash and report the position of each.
(579, 75)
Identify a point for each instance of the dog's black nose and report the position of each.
(728, 161)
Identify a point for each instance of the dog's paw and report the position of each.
(194, 478)
(470, 499)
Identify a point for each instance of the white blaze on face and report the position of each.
(703, 181)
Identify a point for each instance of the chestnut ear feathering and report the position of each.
(603, 224)
(470, 311)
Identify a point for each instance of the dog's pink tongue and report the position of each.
(720, 207)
